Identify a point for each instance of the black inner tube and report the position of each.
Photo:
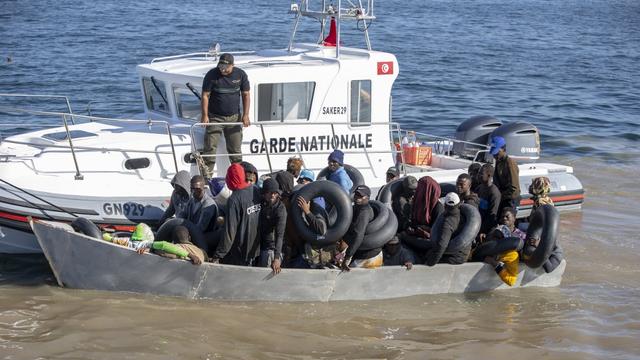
(390, 191)
(544, 226)
(354, 174)
(85, 226)
(380, 217)
(165, 232)
(378, 239)
(496, 247)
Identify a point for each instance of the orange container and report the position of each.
(417, 155)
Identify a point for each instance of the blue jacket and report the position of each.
(341, 177)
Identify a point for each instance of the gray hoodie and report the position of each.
(178, 203)
(203, 213)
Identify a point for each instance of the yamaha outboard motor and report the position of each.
(523, 141)
(475, 130)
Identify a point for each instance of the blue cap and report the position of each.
(307, 174)
(337, 156)
(497, 143)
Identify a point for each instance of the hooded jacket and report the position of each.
(341, 178)
(449, 227)
(426, 206)
(201, 212)
(235, 179)
(178, 203)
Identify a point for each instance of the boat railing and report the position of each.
(39, 96)
(394, 129)
(443, 145)
(214, 53)
(72, 147)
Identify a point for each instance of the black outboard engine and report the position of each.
(475, 130)
(523, 141)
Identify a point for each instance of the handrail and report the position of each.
(78, 175)
(206, 55)
(45, 96)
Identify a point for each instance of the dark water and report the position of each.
(572, 68)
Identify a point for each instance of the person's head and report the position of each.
(451, 201)
(335, 160)
(361, 195)
(392, 174)
(393, 246)
(225, 64)
(306, 176)
(198, 187)
(486, 174)
(540, 186)
(509, 217)
(250, 172)
(474, 170)
(235, 178)
(270, 191)
(498, 147)
(409, 185)
(463, 184)
(181, 235)
(294, 166)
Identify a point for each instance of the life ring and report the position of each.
(85, 226)
(497, 247)
(354, 174)
(390, 191)
(544, 226)
(377, 239)
(380, 217)
(332, 194)
(165, 232)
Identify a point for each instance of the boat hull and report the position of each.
(81, 262)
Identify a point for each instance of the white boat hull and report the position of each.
(81, 262)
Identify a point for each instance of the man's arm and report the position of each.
(229, 233)
(246, 104)
(280, 228)
(359, 230)
(435, 254)
(204, 103)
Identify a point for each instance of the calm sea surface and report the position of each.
(570, 67)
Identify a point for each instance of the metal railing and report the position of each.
(66, 99)
(443, 145)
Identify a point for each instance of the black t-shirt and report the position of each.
(225, 91)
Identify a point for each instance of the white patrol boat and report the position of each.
(306, 101)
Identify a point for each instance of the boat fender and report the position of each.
(85, 226)
(379, 238)
(497, 247)
(390, 191)
(354, 174)
(543, 226)
(380, 217)
(165, 232)
(332, 194)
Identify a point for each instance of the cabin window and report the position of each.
(188, 105)
(285, 101)
(360, 102)
(137, 163)
(155, 95)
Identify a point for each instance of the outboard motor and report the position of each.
(475, 130)
(523, 141)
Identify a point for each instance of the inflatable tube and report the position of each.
(354, 174)
(467, 230)
(380, 217)
(554, 260)
(85, 226)
(497, 247)
(378, 239)
(165, 232)
(446, 188)
(332, 194)
(543, 226)
(390, 191)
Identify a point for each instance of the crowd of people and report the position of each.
(251, 224)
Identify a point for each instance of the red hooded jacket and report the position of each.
(235, 178)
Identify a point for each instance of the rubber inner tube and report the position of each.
(332, 194)
(554, 259)
(467, 230)
(497, 247)
(165, 232)
(543, 226)
(390, 191)
(378, 239)
(354, 174)
(380, 217)
(85, 226)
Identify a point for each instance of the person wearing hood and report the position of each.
(179, 197)
(426, 207)
(250, 172)
(273, 220)
(362, 216)
(201, 209)
(402, 204)
(438, 251)
(287, 177)
(337, 173)
(240, 244)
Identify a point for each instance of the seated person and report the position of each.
(394, 254)
(425, 210)
(273, 220)
(463, 188)
(392, 174)
(452, 219)
(473, 171)
(489, 199)
(201, 209)
(362, 215)
(250, 172)
(182, 247)
(337, 173)
(402, 204)
(509, 221)
(539, 189)
(179, 196)
(505, 264)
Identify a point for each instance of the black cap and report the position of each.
(270, 185)
(392, 170)
(363, 190)
(226, 59)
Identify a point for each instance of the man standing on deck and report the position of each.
(506, 175)
(221, 91)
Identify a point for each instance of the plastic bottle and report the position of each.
(405, 142)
